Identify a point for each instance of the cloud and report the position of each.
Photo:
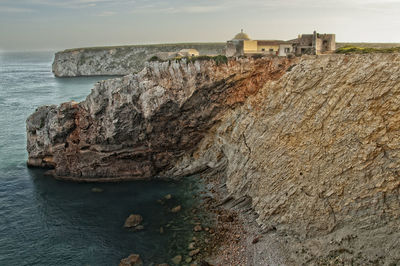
(106, 14)
(177, 10)
(5, 9)
(70, 3)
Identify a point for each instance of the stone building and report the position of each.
(315, 43)
(242, 45)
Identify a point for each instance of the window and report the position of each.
(271, 50)
(263, 49)
(287, 50)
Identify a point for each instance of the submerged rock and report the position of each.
(139, 227)
(97, 190)
(194, 252)
(197, 228)
(177, 259)
(132, 260)
(176, 209)
(133, 220)
(191, 245)
(168, 197)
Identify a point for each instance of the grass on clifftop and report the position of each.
(219, 59)
(364, 50)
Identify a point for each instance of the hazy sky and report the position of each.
(58, 24)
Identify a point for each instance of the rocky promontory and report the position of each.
(137, 126)
(312, 142)
(119, 60)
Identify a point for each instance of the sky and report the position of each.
(61, 24)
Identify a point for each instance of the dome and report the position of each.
(241, 36)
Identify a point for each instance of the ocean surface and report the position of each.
(48, 222)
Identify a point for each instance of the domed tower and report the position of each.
(235, 47)
(241, 36)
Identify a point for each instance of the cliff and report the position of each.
(139, 125)
(318, 153)
(119, 60)
(312, 141)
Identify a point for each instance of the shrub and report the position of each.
(219, 59)
(257, 56)
(154, 58)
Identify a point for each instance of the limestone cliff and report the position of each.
(137, 126)
(122, 60)
(318, 152)
(313, 141)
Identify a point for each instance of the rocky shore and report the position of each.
(305, 151)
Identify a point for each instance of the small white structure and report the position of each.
(285, 49)
(189, 52)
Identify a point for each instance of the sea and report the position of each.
(44, 221)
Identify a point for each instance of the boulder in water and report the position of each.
(177, 259)
(133, 220)
(132, 260)
(176, 209)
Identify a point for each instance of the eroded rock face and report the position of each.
(320, 146)
(318, 153)
(137, 126)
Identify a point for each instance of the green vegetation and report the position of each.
(367, 44)
(219, 59)
(349, 49)
(257, 56)
(154, 58)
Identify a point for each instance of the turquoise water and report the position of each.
(49, 222)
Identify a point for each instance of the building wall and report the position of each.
(250, 46)
(306, 40)
(315, 43)
(282, 49)
(267, 48)
(328, 42)
(318, 46)
(234, 48)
